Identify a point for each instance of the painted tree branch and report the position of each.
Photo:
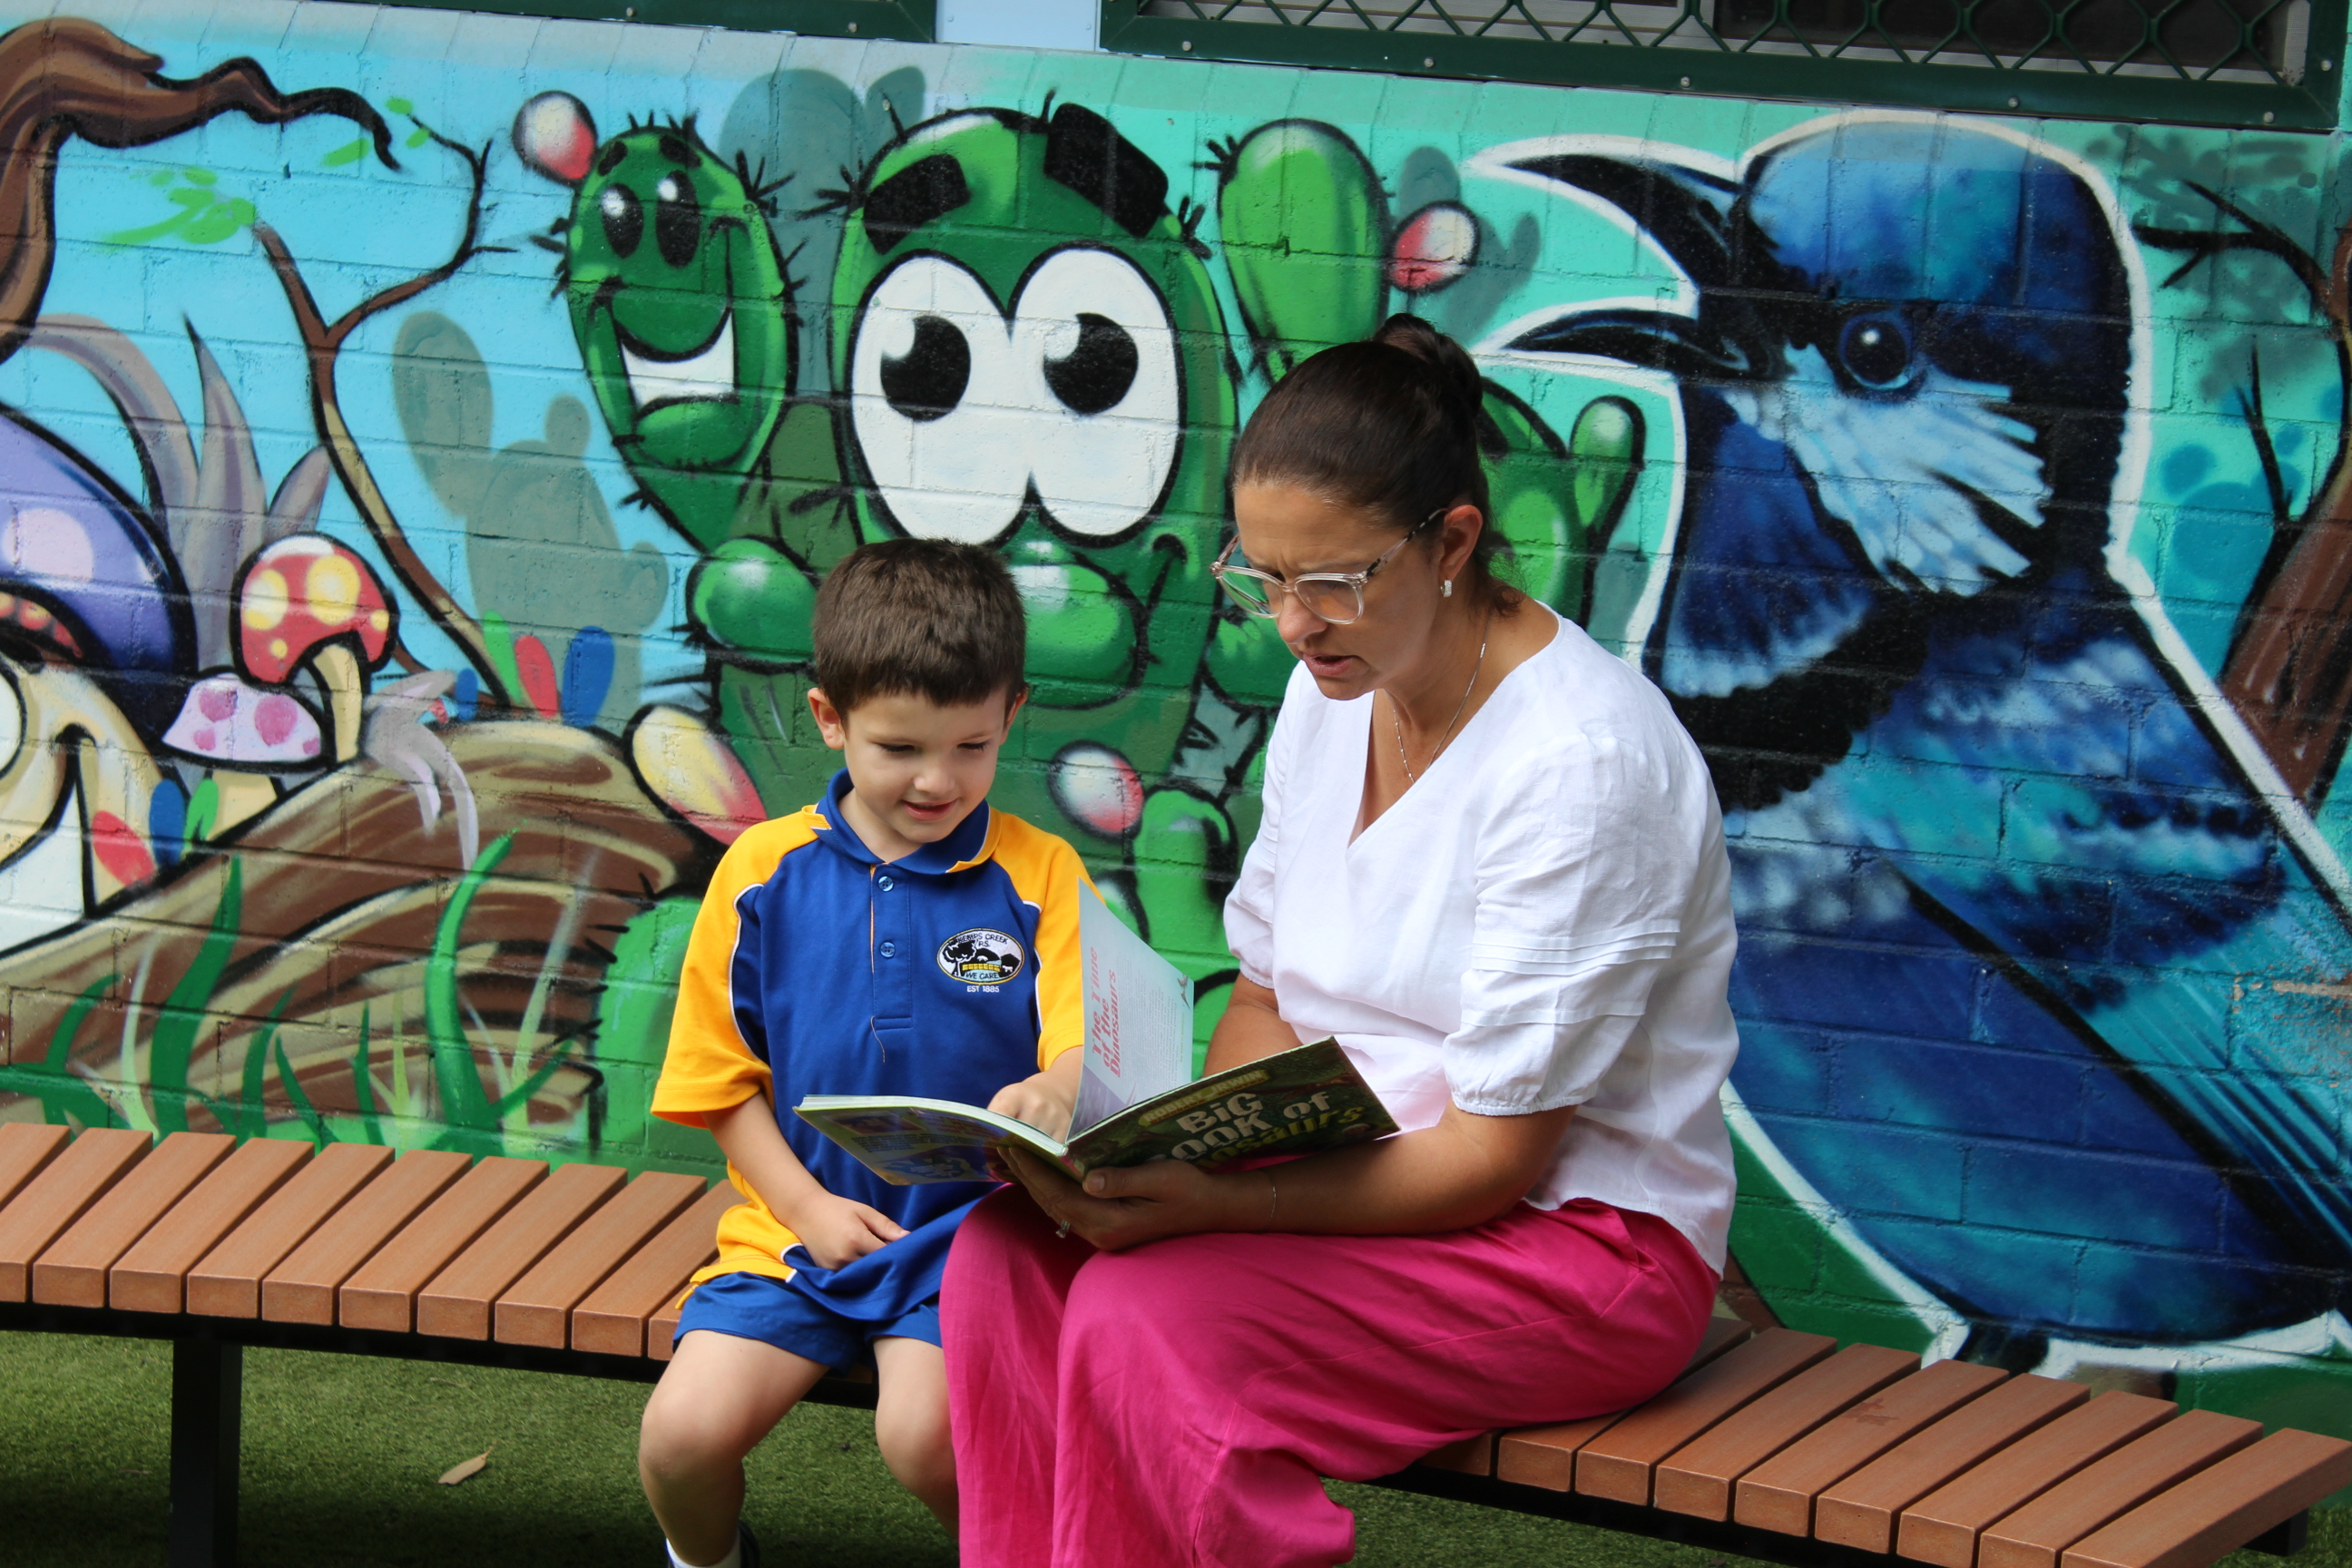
(65, 77)
(2289, 669)
(322, 343)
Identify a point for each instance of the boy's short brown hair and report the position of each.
(920, 617)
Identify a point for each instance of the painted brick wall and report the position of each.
(425, 430)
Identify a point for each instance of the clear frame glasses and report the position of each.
(1334, 597)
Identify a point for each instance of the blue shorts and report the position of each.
(758, 1307)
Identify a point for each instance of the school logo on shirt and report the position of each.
(980, 956)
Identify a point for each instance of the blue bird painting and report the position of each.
(2013, 882)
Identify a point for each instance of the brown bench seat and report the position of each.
(1777, 1444)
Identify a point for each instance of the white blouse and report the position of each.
(1543, 919)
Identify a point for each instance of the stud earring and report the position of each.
(1445, 589)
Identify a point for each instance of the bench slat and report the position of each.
(1472, 1456)
(1697, 1479)
(148, 1277)
(1546, 1456)
(457, 1304)
(25, 1148)
(661, 1329)
(226, 1281)
(1777, 1495)
(2221, 1509)
(536, 1309)
(1618, 1463)
(2035, 1535)
(66, 1188)
(612, 1321)
(1860, 1511)
(1942, 1527)
(382, 1293)
(301, 1288)
(72, 1271)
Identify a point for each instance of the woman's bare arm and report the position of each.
(1462, 1172)
(1252, 1028)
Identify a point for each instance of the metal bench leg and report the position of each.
(207, 1390)
(2285, 1539)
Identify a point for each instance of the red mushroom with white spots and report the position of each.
(307, 600)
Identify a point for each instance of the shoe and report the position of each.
(749, 1542)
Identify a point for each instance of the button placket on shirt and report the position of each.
(894, 953)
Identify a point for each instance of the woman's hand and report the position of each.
(1118, 1209)
(837, 1231)
(1043, 1099)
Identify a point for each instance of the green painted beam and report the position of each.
(908, 19)
(1722, 68)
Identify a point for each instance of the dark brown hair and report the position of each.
(919, 617)
(1389, 425)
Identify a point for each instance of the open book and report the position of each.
(1136, 1097)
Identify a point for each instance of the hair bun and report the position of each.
(1454, 368)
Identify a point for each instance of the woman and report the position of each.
(1492, 865)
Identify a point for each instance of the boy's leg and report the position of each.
(910, 1422)
(718, 1396)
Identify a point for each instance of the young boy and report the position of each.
(898, 937)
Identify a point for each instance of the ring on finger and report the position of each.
(1062, 1229)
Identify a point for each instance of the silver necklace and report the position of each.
(1410, 778)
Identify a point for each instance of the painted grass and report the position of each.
(341, 1454)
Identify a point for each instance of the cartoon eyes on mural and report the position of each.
(624, 218)
(1877, 351)
(927, 381)
(1096, 374)
(1096, 328)
(678, 219)
(960, 414)
(936, 403)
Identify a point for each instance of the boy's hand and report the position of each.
(839, 1231)
(1042, 1100)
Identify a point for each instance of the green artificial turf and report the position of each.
(341, 1457)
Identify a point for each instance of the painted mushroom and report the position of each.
(246, 731)
(307, 600)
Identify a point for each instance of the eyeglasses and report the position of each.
(1334, 597)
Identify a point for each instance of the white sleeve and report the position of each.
(1249, 908)
(1582, 889)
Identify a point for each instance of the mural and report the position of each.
(420, 460)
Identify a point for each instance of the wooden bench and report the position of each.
(1777, 1444)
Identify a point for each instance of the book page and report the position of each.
(906, 1141)
(1138, 1013)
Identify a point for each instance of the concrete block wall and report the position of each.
(423, 431)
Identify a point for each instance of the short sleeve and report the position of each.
(1249, 908)
(1061, 998)
(714, 1060)
(1582, 885)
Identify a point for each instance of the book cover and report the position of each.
(1298, 1101)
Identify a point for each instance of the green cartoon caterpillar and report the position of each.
(1029, 354)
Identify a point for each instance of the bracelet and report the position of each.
(1273, 1198)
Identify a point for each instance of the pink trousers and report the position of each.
(1178, 1403)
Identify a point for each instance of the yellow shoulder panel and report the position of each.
(707, 1067)
(1048, 873)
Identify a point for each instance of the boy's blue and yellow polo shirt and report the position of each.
(816, 968)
